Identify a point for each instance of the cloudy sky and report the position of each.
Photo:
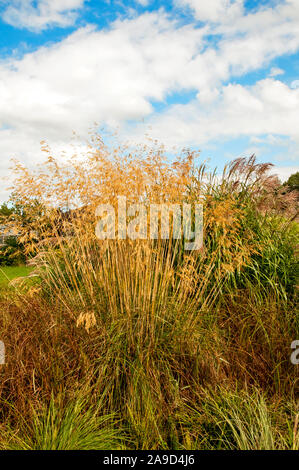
(219, 75)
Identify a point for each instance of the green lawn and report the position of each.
(7, 273)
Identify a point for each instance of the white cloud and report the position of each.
(284, 172)
(275, 71)
(143, 3)
(25, 14)
(268, 107)
(248, 43)
(214, 10)
(112, 76)
(92, 76)
(273, 140)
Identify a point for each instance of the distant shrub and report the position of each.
(11, 252)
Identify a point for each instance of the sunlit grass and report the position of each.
(8, 273)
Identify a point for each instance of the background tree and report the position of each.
(293, 182)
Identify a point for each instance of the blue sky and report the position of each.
(220, 76)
